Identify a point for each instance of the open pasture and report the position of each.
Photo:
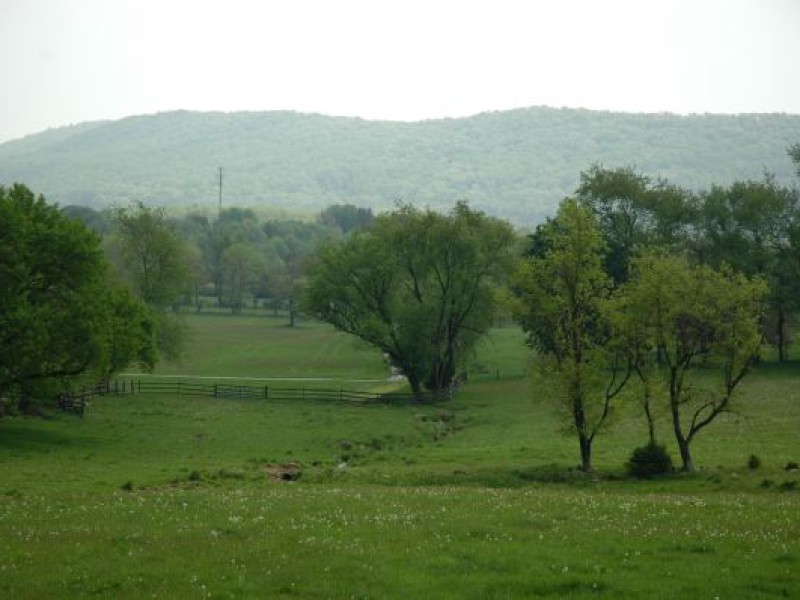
(228, 346)
(179, 497)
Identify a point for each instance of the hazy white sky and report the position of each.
(68, 61)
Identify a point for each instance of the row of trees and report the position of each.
(751, 226)
(87, 293)
(637, 280)
(636, 288)
(235, 259)
(673, 330)
(633, 288)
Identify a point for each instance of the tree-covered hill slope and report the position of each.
(516, 164)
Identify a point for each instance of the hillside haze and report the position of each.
(517, 164)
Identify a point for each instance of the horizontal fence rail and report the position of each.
(77, 401)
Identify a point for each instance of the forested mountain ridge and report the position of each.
(518, 164)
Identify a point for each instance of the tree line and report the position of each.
(87, 294)
(635, 288)
(235, 258)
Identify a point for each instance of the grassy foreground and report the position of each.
(177, 497)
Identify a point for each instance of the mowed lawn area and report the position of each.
(477, 497)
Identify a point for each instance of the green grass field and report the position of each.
(477, 497)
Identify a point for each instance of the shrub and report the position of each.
(791, 466)
(753, 462)
(649, 461)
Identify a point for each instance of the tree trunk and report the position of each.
(586, 452)
(441, 376)
(647, 405)
(781, 338)
(683, 443)
(651, 425)
(686, 456)
(584, 441)
(416, 387)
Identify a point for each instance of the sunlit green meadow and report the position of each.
(477, 497)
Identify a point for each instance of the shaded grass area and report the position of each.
(477, 497)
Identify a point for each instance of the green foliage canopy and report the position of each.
(753, 227)
(696, 320)
(561, 302)
(153, 256)
(634, 211)
(418, 285)
(59, 316)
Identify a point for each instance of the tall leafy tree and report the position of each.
(153, 255)
(631, 338)
(634, 211)
(131, 333)
(750, 226)
(60, 317)
(697, 320)
(562, 296)
(290, 243)
(418, 286)
(243, 266)
(154, 261)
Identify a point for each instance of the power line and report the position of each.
(220, 189)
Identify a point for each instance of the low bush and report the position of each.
(649, 461)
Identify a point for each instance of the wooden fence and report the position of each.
(77, 401)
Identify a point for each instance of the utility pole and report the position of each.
(220, 189)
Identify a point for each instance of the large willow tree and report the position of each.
(419, 286)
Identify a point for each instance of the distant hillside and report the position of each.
(518, 163)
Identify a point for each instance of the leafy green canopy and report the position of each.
(562, 304)
(694, 319)
(419, 285)
(59, 318)
(154, 261)
(634, 211)
(153, 255)
(690, 330)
